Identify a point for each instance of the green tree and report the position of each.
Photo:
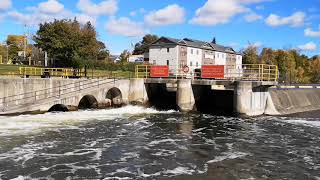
(124, 56)
(143, 46)
(250, 55)
(315, 64)
(68, 43)
(267, 56)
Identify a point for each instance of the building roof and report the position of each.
(197, 44)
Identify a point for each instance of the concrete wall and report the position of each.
(289, 101)
(42, 94)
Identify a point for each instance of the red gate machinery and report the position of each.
(212, 72)
(159, 71)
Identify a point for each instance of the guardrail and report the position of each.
(246, 72)
(68, 72)
(11, 102)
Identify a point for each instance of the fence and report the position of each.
(68, 72)
(246, 72)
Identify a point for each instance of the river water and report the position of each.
(142, 143)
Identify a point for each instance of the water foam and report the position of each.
(33, 123)
(310, 123)
(228, 156)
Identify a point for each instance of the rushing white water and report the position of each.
(311, 123)
(22, 124)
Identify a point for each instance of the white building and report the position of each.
(178, 54)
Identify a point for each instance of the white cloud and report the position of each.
(37, 17)
(133, 13)
(83, 19)
(5, 4)
(125, 27)
(295, 20)
(172, 14)
(219, 12)
(34, 19)
(309, 32)
(310, 46)
(51, 7)
(106, 7)
(252, 17)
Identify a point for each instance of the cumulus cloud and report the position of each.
(51, 7)
(219, 12)
(310, 46)
(311, 33)
(172, 14)
(295, 20)
(37, 17)
(125, 27)
(252, 17)
(83, 19)
(106, 7)
(5, 4)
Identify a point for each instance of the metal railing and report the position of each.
(68, 72)
(29, 98)
(245, 72)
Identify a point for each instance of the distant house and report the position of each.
(178, 53)
(115, 58)
(136, 58)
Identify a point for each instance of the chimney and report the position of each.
(214, 40)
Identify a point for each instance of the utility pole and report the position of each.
(25, 43)
(7, 53)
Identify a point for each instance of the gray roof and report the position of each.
(200, 44)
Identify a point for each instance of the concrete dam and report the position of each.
(250, 98)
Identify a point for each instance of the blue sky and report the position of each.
(263, 23)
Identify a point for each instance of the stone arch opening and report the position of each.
(115, 96)
(88, 102)
(58, 108)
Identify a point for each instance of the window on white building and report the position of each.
(168, 50)
(168, 63)
(190, 63)
(197, 52)
(197, 64)
(191, 51)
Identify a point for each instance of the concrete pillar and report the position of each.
(185, 98)
(249, 100)
(137, 92)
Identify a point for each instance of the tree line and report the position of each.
(294, 67)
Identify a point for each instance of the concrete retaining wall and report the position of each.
(289, 101)
(42, 94)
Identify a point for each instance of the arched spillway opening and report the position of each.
(88, 102)
(115, 96)
(58, 108)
